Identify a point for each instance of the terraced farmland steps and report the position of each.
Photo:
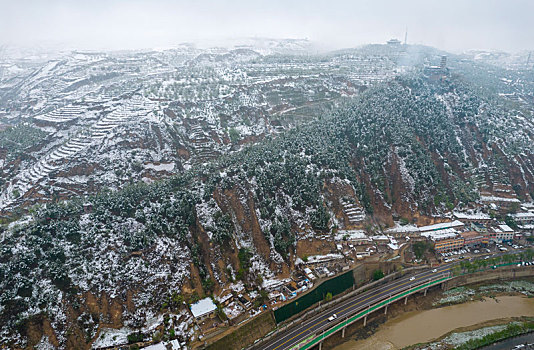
(43, 167)
(354, 213)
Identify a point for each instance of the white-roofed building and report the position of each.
(441, 226)
(203, 309)
(409, 230)
(445, 239)
(172, 345)
(440, 234)
(158, 346)
(472, 217)
(501, 233)
(309, 273)
(523, 218)
(504, 233)
(352, 236)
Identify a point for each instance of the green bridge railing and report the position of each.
(315, 339)
(318, 338)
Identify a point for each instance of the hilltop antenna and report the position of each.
(406, 36)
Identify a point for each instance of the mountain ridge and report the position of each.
(413, 147)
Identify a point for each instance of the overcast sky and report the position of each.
(453, 25)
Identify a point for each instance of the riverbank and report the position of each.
(421, 325)
(525, 339)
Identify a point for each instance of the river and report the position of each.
(424, 326)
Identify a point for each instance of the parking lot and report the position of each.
(470, 252)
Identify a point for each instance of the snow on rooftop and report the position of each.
(505, 228)
(223, 298)
(174, 345)
(440, 234)
(158, 346)
(498, 199)
(380, 238)
(402, 228)
(273, 283)
(350, 234)
(474, 216)
(527, 215)
(441, 226)
(203, 307)
(321, 258)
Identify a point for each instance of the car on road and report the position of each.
(435, 270)
(412, 278)
(331, 318)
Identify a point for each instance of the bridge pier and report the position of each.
(365, 321)
(406, 300)
(386, 310)
(320, 345)
(425, 291)
(343, 332)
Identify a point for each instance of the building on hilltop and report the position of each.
(443, 63)
(437, 73)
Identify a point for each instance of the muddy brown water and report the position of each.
(424, 326)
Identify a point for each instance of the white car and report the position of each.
(412, 278)
(331, 318)
(435, 270)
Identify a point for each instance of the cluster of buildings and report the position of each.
(239, 304)
(469, 230)
(464, 229)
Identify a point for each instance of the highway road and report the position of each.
(298, 333)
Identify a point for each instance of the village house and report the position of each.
(203, 309)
